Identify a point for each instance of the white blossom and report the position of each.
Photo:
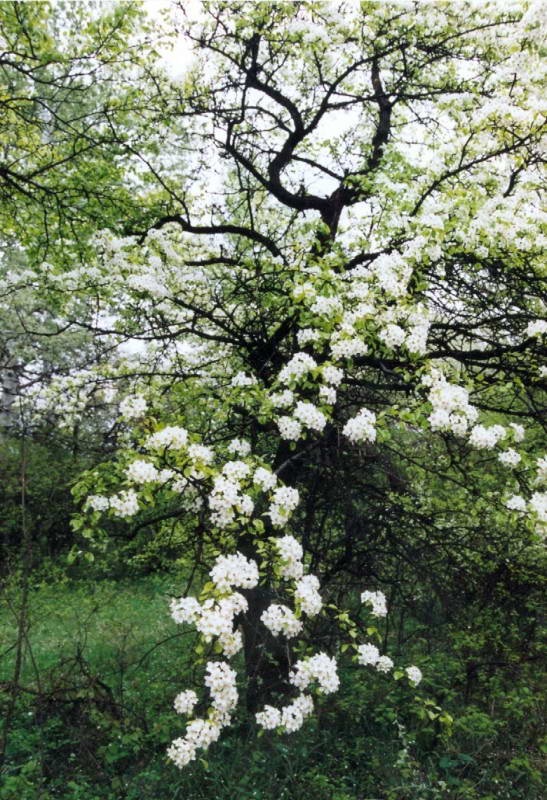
(361, 428)
(310, 416)
(133, 406)
(307, 595)
(125, 504)
(141, 472)
(320, 668)
(414, 675)
(280, 619)
(185, 702)
(536, 328)
(234, 570)
(290, 554)
(384, 664)
(378, 602)
(368, 654)
(264, 478)
(239, 447)
(509, 458)
(299, 365)
(332, 375)
(98, 502)
(172, 437)
(516, 503)
(269, 718)
(289, 428)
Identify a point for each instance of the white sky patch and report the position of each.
(177, 59)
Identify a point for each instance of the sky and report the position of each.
(179, 58)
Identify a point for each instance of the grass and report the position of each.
(103, 662)
(107, 622)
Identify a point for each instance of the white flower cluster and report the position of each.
(241, 380)
(518, 431)
(220, 679)
(538, 505)
(185, 609)
(200, 453)
(133, 406)
(536, 328)
(299, 365)
(344, 346)
(125, 504)
(361, 428)
(332, 375)
(327, 394)
(200, 733)
(236, 470)
(416, 339)
(509, 458)
(280, 619)
(307, 335)
(310, 416)
(384, 664)
(290, 554)
(269, 718)
(326, 306)
(239, 447)
(217, 620)
(213, 619)
(142, 472)
(516, 503)
(172, 437)
(392, 335)
(378, 602)
(234, 570)
(414, 675)
(293, 715)
(318, 668)
(290, 718)
(282, 399)
(368, 654)
(392, 273)
(225, 499)
(451, 408)
(185, 702)
(97, 502)
(264, 478)
(307, 595)
(484, 438)
(541, 476)
(289, 428)
(284, 501)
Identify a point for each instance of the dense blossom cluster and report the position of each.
(362, 427)
(451, 408)
(133, 406)
(485, 438)
(170, 437)
(290, 554)
(234, 570)
(284, 501)
(280, 619)
(320, 668)
(378, 602)
(307, 595)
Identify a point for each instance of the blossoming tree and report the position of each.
(337, 284)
